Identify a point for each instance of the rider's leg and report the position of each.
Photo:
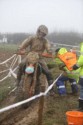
(46, 71)
(48, 74)
(74, 86)
(20, 71)
(80, 105)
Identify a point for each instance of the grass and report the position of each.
(54, 112)
(8, 47)
(56, 109)
(5, 88)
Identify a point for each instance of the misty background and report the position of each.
(21, 18)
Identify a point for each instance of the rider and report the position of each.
(39, 44)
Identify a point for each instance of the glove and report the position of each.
(61, 66)
(21, 52)
(75, 67)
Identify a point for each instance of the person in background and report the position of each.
(68, 75)
(79, 64)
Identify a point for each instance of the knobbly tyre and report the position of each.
(33, 77)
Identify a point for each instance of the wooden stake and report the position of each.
(41, 105)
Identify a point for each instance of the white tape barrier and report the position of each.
(11, 72)
(30, 99)
(12, 64)
(65, 45)
(14, 61)
(12, 90)
(50, 87)
(15, 69)
(15, 76)
(8, 59)
(8, 75)
(4, 71)
(4, 78)
(20, 103)
(19, 59)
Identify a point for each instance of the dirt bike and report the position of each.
(30, 84)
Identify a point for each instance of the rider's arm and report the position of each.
(25, 43)
(48, 46)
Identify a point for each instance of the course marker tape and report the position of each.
(29, 99)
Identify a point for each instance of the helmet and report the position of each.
(32, 57)
(61, 50)
(43, 29)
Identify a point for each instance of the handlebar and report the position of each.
(47, 55)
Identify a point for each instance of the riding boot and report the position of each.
(74, 88)
(20, 72)
(80, 105)
(19, 83)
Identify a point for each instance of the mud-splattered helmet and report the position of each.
(42, 29)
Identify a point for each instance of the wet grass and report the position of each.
(5, 88)
(8, 47)
(57, 108)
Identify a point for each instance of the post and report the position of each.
(41, 105)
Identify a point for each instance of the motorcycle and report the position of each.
(31, 81)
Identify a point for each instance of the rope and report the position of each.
(5, 77)
(29, 99)
(7, 59)
(15, 76)
(11, 72)
(66, 45)
(13, 62)
(4, 71)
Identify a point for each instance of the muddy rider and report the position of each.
(37, 43)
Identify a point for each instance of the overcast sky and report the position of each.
(27, 15)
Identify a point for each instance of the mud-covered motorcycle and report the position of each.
(33, 78)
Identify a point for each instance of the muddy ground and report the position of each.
(54, 111)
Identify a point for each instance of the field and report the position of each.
(55, 106)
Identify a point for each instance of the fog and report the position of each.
(27, 15)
